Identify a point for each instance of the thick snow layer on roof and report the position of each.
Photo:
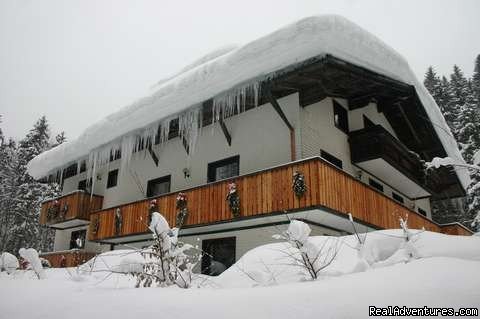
(216, 74)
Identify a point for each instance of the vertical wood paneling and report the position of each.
(271, 191)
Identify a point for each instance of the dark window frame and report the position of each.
(377, 185)
(70, 171)
(340, 113)
(213, 166)
(422, 212)
(163, 179)
(73, 242)
(208, 254)
(398, 197)
(335, 161)
(112, 178)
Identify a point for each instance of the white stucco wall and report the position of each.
(62, 241)
(245, 239)
(259, 136)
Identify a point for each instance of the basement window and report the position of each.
(222, 169)
(112, 178)
(397, 197)
(218, 255)
(375, 184)
(332, 159)
(340, 117)
(158, 186)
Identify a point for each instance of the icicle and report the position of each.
(235, 100)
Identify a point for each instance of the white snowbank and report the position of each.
(122, 260)
(252, 62)
(446, 277)
(269, 263)
(8, 262)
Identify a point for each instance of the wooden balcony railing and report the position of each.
(265, 192)
(67, 258)
(376, 142)
(70, 207)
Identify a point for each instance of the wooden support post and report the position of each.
(271, 99)
(225, 131)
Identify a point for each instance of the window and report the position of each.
(83, 166)
(340, 117)
(112, 178)
(375, 184)
(115, 155)
(70, 171)
(397, 197)
(332, 159)
(82, 185)
(158, 186)
(367, 123)
(225, 168)
(77, 239)
(219, 254)
(421, 211)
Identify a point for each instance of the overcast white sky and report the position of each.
(78, 61)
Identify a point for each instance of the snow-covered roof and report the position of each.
(234, 67)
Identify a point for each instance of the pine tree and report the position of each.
(476, 81)
(433, 83)
(28, 195)
(457, 94)
(8, 180)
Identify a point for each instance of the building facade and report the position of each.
(323, 138)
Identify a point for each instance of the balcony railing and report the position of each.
(262, 193)
(69, 210)
(67, 258)
(375, 142)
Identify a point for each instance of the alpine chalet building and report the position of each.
(315, 121)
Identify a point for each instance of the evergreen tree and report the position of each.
(476, 81)
(432, 82)
(60, 138)
(28, 194)
(8, 176)
(457, 94)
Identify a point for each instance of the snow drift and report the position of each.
(225, 76)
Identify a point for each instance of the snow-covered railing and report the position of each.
(262, 193)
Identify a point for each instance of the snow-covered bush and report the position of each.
(8, 262)
(304, 253)
(31, 255)
(166, 262)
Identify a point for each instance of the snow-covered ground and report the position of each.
(434, 270)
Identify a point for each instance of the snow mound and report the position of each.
(271, 264)
(119, 261)
(226, 77)
(8, 262)
(31, 255)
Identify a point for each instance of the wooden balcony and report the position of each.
(376, 151)
(67, 258)
(70, 210)
(264, 193)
